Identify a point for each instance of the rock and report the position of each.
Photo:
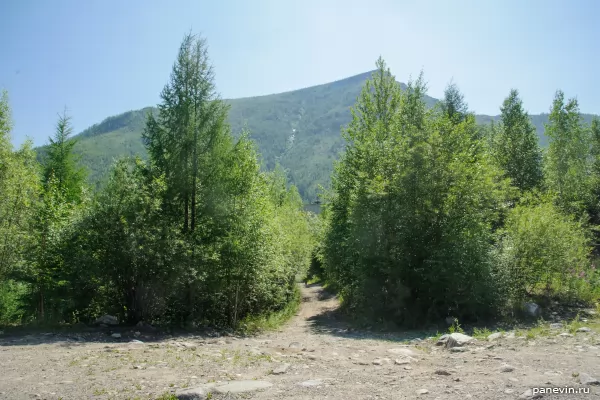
(528, 394)
(402, 361)
(281, 369)
(198, 393)
(311, 383)
(377, 362)
(422, 391)
(107, 320)
(586, 379)
(532, 309)
(442, 340)
(507, 368)
(402, 351)
(510, 335)
(494, 336)
(458, 349)
(442, 372)
(135, 341)
(457, 339)
(509, 391)
(116, 335)
(295, 345)
(564, 334)
(137, 333)
(584, 329)
(240, 387)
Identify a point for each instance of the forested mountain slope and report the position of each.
(299, 129)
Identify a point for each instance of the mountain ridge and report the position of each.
(298, 129)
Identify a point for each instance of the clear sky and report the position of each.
(104, 57)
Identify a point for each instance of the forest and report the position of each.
(429, 214)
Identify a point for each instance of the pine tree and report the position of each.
(568, 159)
(60, 167)
(454, 105)
(515, 145)
(189, 128)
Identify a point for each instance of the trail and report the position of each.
(313, 356)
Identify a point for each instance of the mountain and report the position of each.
(299, 129)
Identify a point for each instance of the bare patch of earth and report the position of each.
(314, 356)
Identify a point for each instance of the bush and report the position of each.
(543, 252)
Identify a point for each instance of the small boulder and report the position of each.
(116, 335)
(422, 391)
(494, 336)
(281, 369)
(458, 349)
(532, 310)
(528, 394)
(235, 387)
(458, 339)
(442, 340)
(107, 320)
(584, 329)
(198, 393)
(442, 372)
(556, 325)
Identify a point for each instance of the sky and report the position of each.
(99, 58)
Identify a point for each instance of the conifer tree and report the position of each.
(516, 146)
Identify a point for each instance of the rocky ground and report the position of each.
(314, 356)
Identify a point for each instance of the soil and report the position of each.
(314, 356)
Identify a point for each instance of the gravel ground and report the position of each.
(314, 356)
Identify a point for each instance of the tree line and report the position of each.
(429, 214)
(196, 235)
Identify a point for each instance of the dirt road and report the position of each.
(312, 357)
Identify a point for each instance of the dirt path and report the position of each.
(312, 357)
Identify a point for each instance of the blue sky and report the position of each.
(104, 57)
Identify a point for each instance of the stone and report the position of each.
(556, 325)
(564, 334)
(586, 379)
(458, 349)
(422, 391)
(442, 340)
(311, 383)
(402, 351)
(377, 362)
(506, 368)
(137, 333)
(442, 372)
(457, 339)
(528, 394)
(295, 345)
(116, 335)
(494, 336)
(240, 387)
(135, 341)
(107, 320)
(402, 361)
(584, 329)
(281, 369)
(532, 310)
(198, 393)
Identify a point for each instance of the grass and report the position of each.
(481, 333)
(260, 323)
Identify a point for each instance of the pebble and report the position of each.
(584, 329)
(422, 391)
(507, 368)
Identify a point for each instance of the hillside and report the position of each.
(299, 129)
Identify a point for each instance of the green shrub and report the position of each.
(543, 252)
